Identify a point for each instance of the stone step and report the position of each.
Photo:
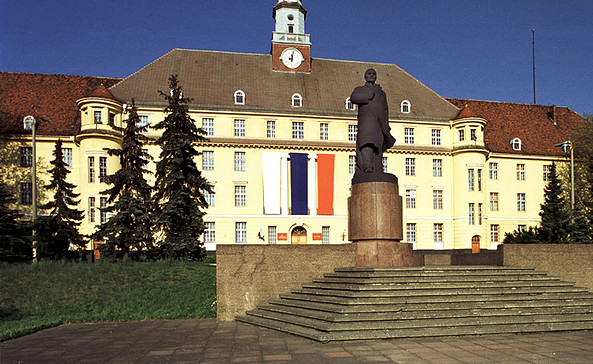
(354, 279)
(435, 306)
(441, 268)
(406, 293)
(323, 325)
(433, 285)
(403, 314)
(421, 273)
(416, 332)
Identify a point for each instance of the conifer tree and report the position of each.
(129, 229)
(179, 198)
(555, 215)
(15, 235)
(56, 232)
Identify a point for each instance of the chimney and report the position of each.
(552, 114)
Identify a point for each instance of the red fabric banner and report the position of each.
(325, 184)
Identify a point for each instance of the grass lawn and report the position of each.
(45, 294)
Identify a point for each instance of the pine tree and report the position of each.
(179, 198)
(15, 235)
(129, 229)
(555, 215)
(55, 233)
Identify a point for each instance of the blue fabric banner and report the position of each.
(298, 183)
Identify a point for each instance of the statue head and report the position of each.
(370, 76)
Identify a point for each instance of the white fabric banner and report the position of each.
(271, 178)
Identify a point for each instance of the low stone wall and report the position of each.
(572, 262)
(250, 275)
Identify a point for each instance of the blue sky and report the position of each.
(478, 49)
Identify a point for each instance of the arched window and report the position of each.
(516, 144)
(239, 97)
(350, 105)
(297, 100)
(405, 107)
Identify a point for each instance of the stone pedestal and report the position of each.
(375, 225)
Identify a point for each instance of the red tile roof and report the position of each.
(43, 95)
(538, 126)
(102, 92)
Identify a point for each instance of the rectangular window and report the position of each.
(479, 214)
(323, 131)
(26, 157)
(272, 235)
(92, 207)
(547, 173)
(325, 235)
(494, 233)
(411, 232)
(409, 135)
(97, 117)
(91, 169)
(437, 199)
(209, 197)
(271, 129)
(436, 137)
(240, 232)
(410, 199)
(437, 167)
(472, 218)
(208, 160)
(493, 170)
(240, 196)
(240, 161)
(493, 201)
(461, 135)
(351, 164)
(520, 172)
(479, 180)
(142, 123)
(209, 232)
(384, 162)
(111, 120)
(26, 193)
(520, 202)
(67, 157)
(410, 166)
(102, 168)
(208, 126)
(470, 179)
(472, 133)
(239, 128)
(521, 228)
(103, 212)
(438, 233)
(298, 130)
(352, 131)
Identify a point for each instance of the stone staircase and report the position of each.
(380, 303)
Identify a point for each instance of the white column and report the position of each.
(284, 184)
(311, 185)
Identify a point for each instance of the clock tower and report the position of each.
(291, 48)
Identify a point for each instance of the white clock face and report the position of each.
(291, 58)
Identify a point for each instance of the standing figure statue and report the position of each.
(373, 136)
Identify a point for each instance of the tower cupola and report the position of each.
(291, 47)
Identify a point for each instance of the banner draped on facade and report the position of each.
(298, 184)
(325, 184)
(271, 178)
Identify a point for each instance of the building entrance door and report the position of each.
(476, 244)
(298, 235)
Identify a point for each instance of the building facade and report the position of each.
(281, 147)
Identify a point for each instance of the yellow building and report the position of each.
(281, 133)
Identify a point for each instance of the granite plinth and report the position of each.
(375, 212)
(386, 253)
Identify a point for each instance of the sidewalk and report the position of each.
(209, 341)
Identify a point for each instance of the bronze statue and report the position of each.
(373, 136)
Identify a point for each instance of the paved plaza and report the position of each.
(209, 341)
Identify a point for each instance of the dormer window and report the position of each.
(350, 105)
(239, 97)
(516, 144)
(405, 107)
(297, 100)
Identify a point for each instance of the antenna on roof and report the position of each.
(533, 59)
